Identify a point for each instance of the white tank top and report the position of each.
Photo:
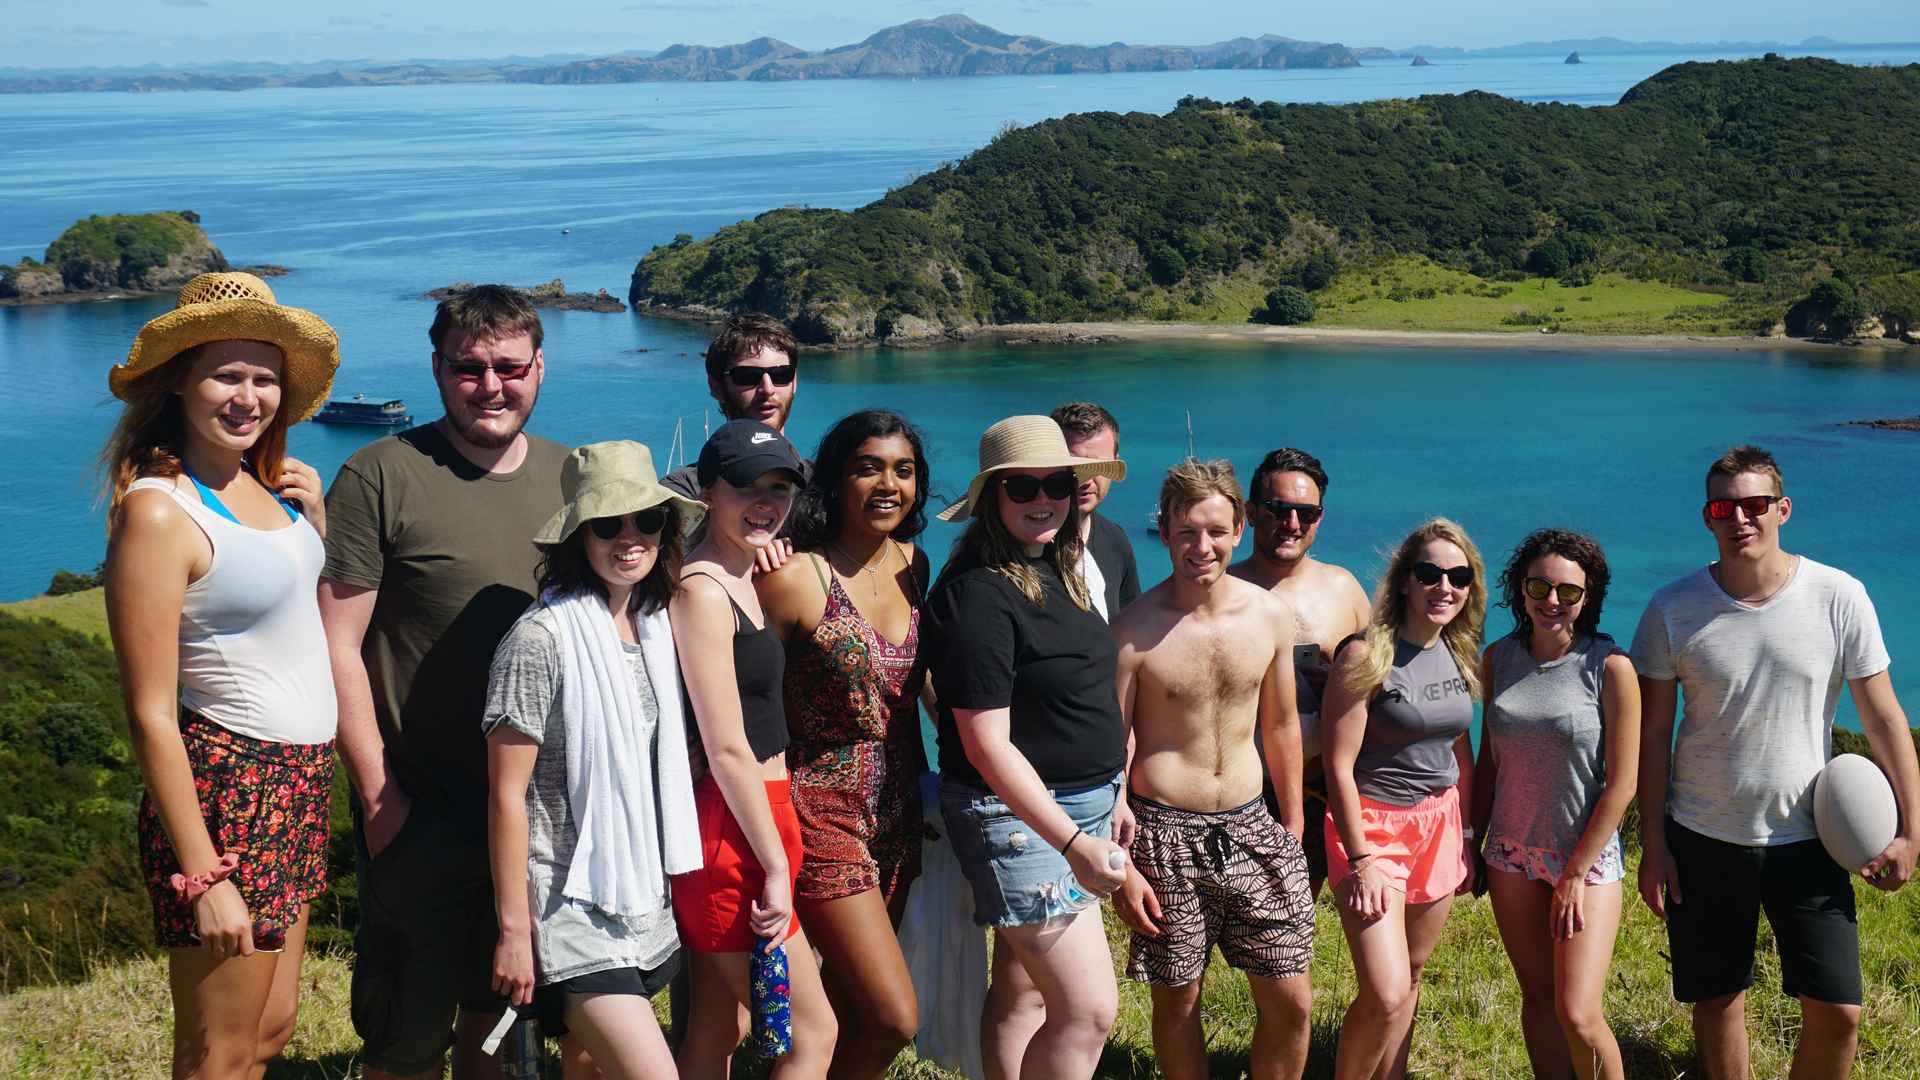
(253, 657)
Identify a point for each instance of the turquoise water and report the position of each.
(375, 196)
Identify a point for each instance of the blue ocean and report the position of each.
(374, 196)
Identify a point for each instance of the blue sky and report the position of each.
(126, 32)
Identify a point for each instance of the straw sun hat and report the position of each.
(235, 306)
(1027, 442)
(610, 479)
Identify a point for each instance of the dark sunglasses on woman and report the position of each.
(746, 377)
(648, 521)
(1567, 592)
(1023, 488)
(1428, 574)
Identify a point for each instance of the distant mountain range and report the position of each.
(951, 46)
(1613, 46)
(946, 47)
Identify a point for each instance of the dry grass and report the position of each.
(115, 1024)
(84, 612)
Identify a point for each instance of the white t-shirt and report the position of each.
(1759, 684)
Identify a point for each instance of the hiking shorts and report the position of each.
(1808, 899)
(425, 944)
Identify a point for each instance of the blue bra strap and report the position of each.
(212, 501)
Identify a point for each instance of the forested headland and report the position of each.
(1782, 196)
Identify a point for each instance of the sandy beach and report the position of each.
(1103, 332)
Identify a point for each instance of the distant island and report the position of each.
(553, 294)
(1763, 197)
(950, 46)
(1613, 46)
(117, 255)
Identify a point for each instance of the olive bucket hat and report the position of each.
(610, 479)
(237, 306)
(1027, 442)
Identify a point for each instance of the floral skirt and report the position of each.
(264, 802)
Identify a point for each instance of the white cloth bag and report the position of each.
(946, 953)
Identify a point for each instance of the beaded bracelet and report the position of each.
(190, 889)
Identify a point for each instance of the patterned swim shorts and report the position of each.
(1546, 864)
(1232, 878)
(264, 802)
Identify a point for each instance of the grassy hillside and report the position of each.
(1752, 180)
(115, 1024)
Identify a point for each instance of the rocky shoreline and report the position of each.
(1903, 423)
(1107, 333)
(92, 296)
(553, 295)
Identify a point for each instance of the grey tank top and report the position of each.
(1544, 730)
(1412, 721)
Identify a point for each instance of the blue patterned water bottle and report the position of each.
(772, 1003)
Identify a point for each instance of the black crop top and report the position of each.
(759, 666)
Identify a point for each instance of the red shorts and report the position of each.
(1419, 846)
(713, 902)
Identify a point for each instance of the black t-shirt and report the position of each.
(1113, 553)
(1053, 664)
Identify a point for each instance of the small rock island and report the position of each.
(1421, 61)
(1572, 58)
(113, 256)
(552, 295)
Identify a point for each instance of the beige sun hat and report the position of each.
(237, 306)
(1027, 442)
(608, 479)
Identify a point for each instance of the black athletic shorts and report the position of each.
(550, 1001)
(1808, 900)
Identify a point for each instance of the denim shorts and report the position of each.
(1014, 874)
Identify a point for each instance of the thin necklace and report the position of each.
(872, 569)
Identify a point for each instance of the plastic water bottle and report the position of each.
(1074, 896)
(525, 1055)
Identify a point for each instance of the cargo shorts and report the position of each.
(425, 942)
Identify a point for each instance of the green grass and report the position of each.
(115, 1024)
(1415, 294)
(83, 612)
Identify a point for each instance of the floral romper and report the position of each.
(852, 703)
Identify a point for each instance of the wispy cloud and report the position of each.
(681, 9)
(185, 3)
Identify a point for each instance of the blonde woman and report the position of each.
(1032, 748)
(1399, 770)
(212, 562)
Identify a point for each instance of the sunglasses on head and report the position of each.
(1428, 574)
(1023, 488)
(746, 378)
(648, 521)
(1754, 505)
(1278, 509)
(474, 370)
(1568, 593)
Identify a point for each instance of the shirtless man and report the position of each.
(1203, 658)
(1286, 503)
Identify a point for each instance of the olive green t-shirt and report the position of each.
(450, 548)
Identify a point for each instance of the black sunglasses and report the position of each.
(1428, 574)
(648, 521)
(1754, 505)
(746, 378)
(1023, 487)
(1567, 591)
(475, 370)
(1278, 509)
